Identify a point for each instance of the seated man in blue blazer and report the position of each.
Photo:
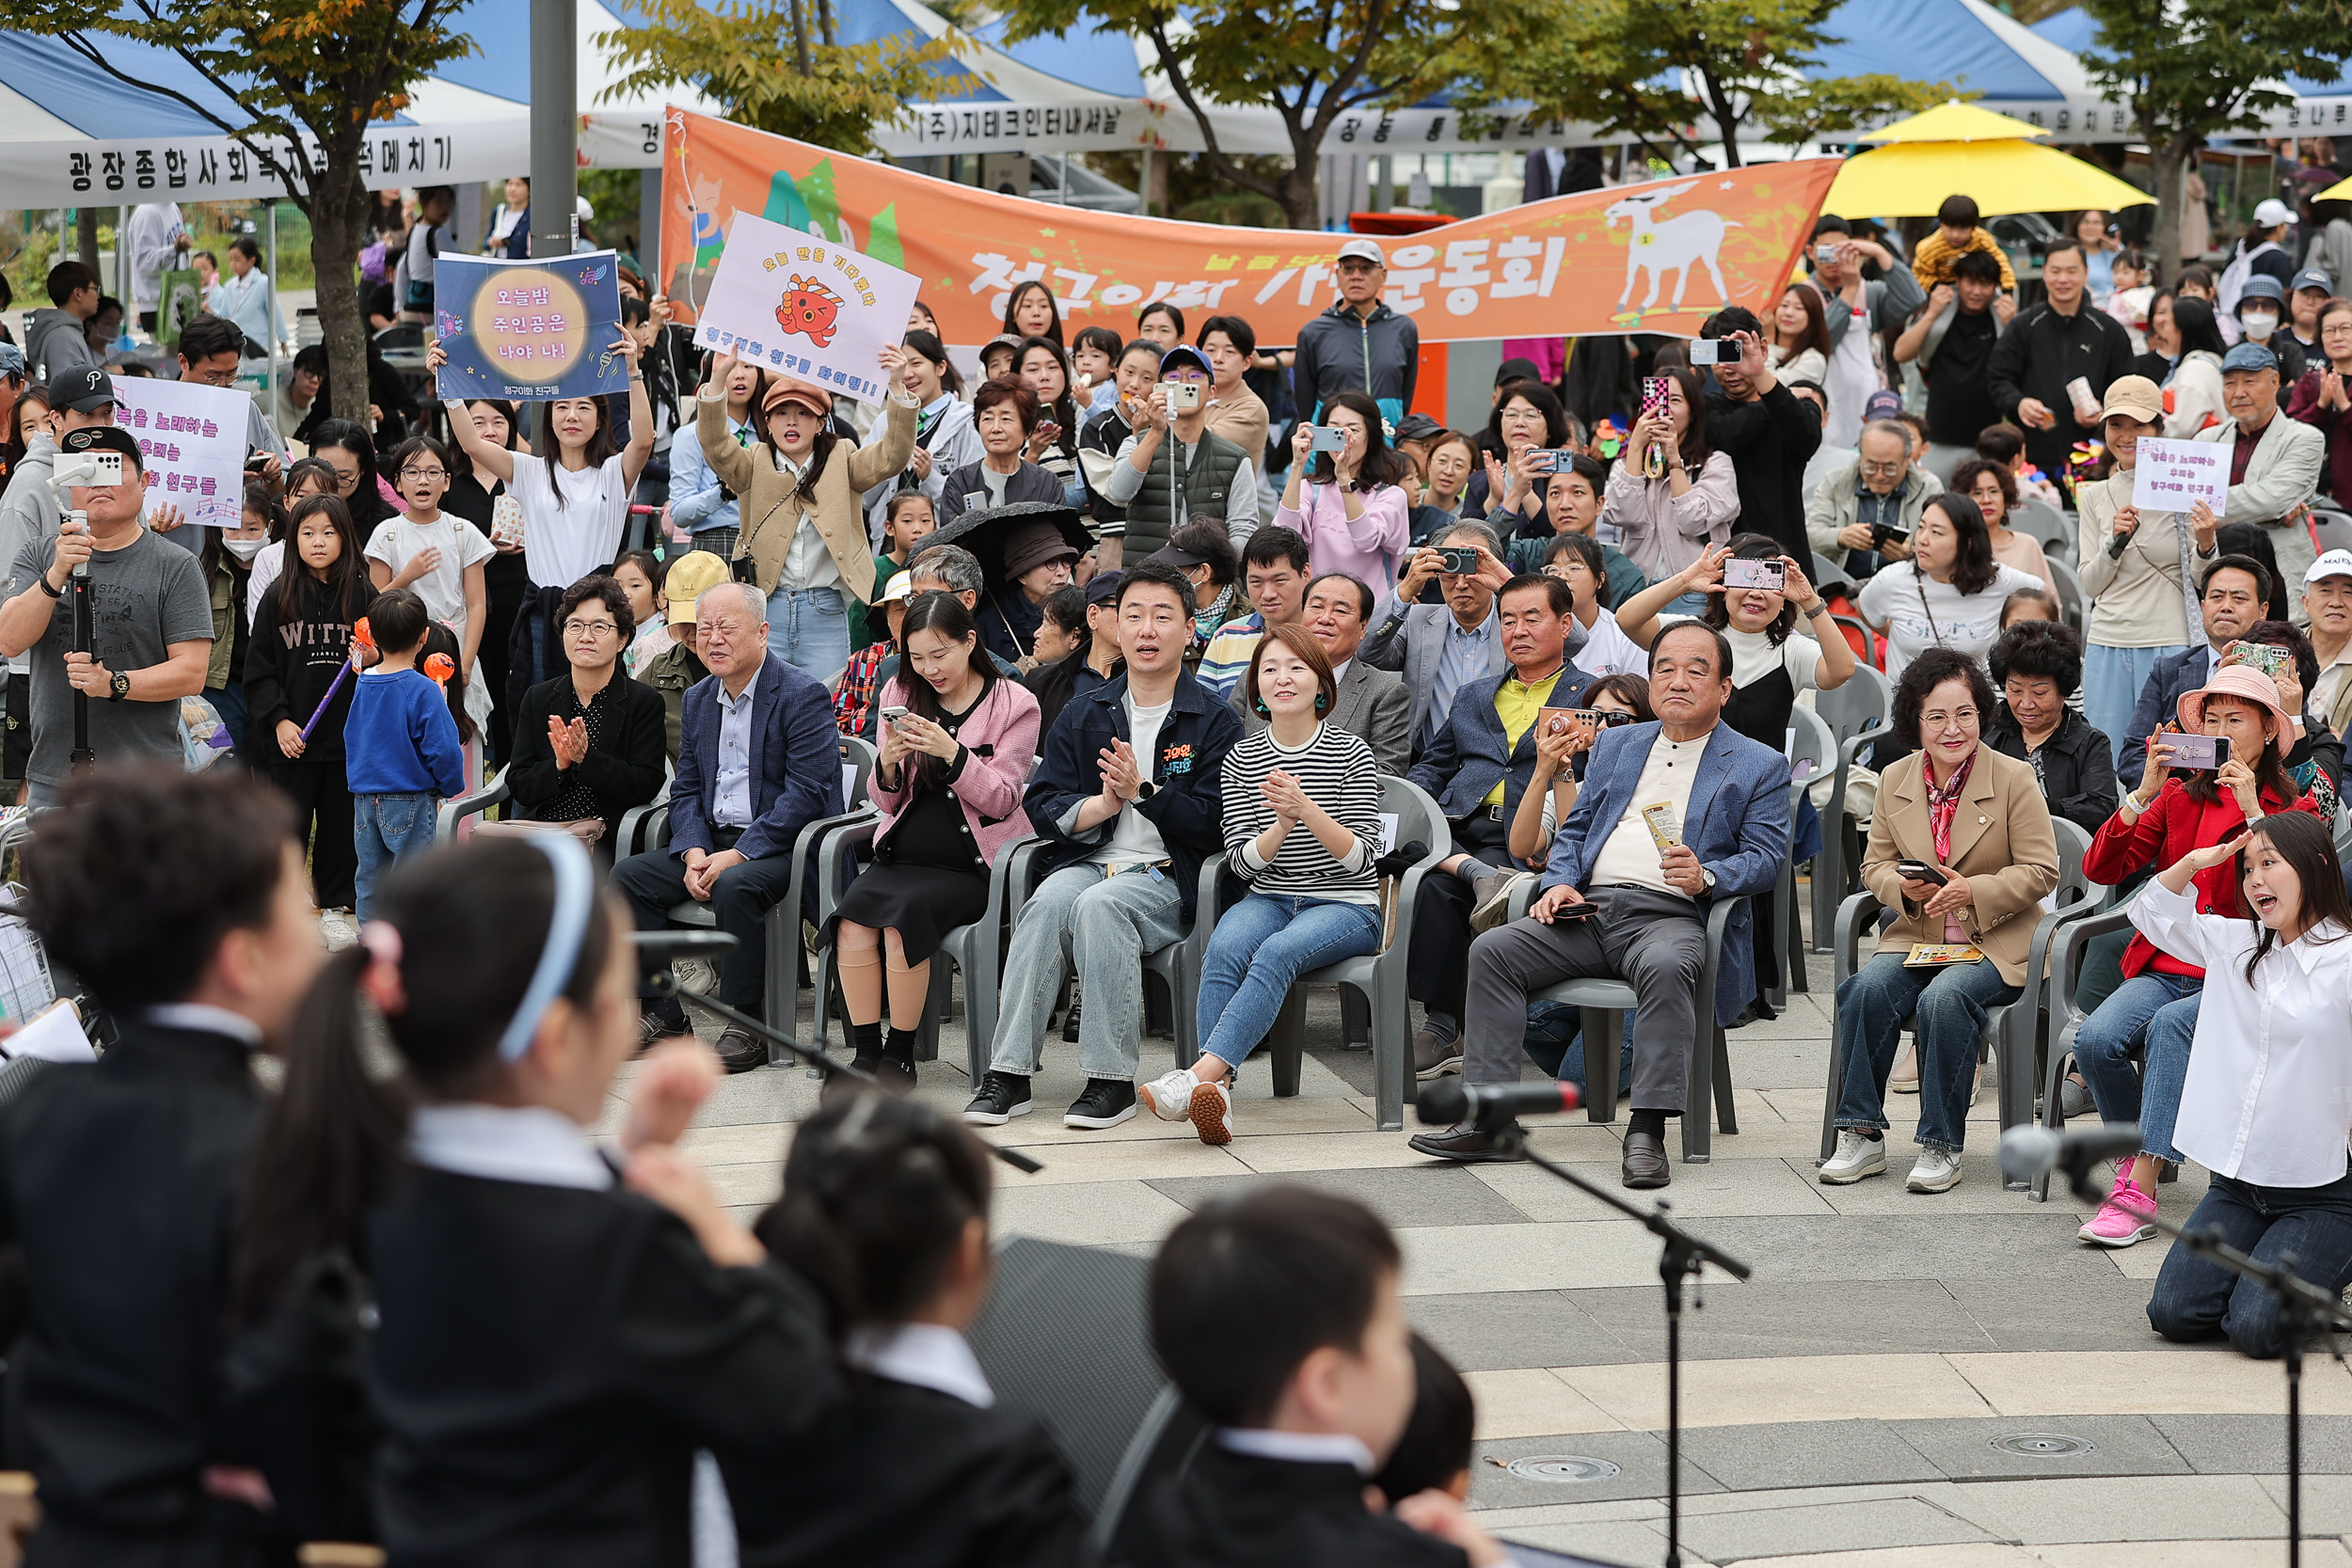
(758, 760)
(1476, 767)
(2231, 593)
(1647, 906)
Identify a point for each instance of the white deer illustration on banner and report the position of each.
(1659, 247)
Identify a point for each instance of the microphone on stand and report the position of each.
(2029, 1152)
(1491, 1105)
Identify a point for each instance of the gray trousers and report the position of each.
(1654, 942)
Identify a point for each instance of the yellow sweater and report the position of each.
(1931, 263)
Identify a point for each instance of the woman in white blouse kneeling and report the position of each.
(2267, 1103)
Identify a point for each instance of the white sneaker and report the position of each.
(1169, 1094)
(699, 976)
(1212, 1113)
(1936, 1170)
(338, 928)
(1857, 1156)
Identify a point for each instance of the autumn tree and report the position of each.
(1682, 75)
(310, 76)
(2191, 69)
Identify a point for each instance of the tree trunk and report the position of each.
(85, 237)
(338, 219)
(2170, 157)
(1298, 193)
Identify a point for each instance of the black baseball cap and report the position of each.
(84, 389)
(1178, 557)
(106, 437)
(1103, 587)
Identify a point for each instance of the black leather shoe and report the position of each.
(1465, 1142)
(1645, 1161)
(739, 1053)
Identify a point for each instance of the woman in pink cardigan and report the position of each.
(1354, 517)
(957, 743)
(1668, 522)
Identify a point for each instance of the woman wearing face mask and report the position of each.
(228, 562)
(2153, 1014)
(1950, 591)
(2195, 385)
(2324, 397)
(2261, 310)
(2262, 1106)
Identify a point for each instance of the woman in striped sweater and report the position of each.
(1302, 822)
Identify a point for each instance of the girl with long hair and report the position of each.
(1031, 311)
(1053, 444)
(1350, 505)
(1668, 522)
(948, 782)
(2194, 381)
(1799, 336)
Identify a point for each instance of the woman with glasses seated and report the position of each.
(590, 744)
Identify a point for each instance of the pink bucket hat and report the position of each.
(2247, 684)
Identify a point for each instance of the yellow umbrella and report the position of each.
(1912, 179)
(1956, 121)
(2341, 190)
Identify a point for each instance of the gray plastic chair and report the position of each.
(2011, 1032)
(1604, 1004)
(2072, 604)
(2331, 528)
(1814, 745)
(1857, 713)
(2040, 521)
(456, 810)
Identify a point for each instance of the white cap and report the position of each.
(2335, 564)
(1360, 250)
(2272, 213)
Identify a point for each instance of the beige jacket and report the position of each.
(2136, 599)
(771, 510)
(1241, 419)
(2001, 842)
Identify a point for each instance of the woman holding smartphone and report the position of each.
(1670, 520)
(1948, 595)
(2182, 804)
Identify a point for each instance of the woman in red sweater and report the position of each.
(2153, 1012)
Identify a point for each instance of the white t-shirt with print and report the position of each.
(1135, 838)
(562, 544)
(401, 540)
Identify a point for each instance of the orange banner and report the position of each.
(1656, 256)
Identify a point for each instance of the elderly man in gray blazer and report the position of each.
(1372, 704)
(1441, 649)
(2283, 473)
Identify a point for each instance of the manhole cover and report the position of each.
(1564, 1469)
(2043, 1445)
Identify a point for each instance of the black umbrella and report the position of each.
(983, 532)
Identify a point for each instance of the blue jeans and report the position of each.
(1948, 1008)
(2112, 678)
(386, 830)
(1259, 946)
(1100, 928)
(810, 630)
(2196, 1299)
(2152, 1013)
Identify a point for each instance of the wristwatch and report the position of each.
(121, 687)
(1709, 878)
(1145, 789)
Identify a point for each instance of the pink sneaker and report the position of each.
(2123, 1220)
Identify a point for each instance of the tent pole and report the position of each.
(269, 376)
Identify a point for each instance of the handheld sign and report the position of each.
(528, 331)
(191, 441)
(2174, 476)
(806, 308)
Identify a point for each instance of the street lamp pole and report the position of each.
(554, 125)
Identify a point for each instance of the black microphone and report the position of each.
(2028, 1152)
(658, 950)
(1450, 1100)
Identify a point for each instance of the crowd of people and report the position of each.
(1161, 604)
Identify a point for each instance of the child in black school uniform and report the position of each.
(179, 902)
(555, 1337)
(1277, 1315)
(1435, 1452)
(885, 1210)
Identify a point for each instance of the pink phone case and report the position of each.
(1654, 397)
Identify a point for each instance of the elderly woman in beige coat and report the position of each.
(1962, 849)
(803, 539)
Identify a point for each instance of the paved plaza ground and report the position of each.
(1907, 1382)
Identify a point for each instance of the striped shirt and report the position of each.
(1336, 771)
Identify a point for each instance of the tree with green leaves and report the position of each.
(309, 76)
(1311, 61)
(2190, 69)
(777, 68)
(1659, 68)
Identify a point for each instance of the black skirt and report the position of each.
(926, 880)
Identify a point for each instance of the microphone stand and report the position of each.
(2305, 1312)
(1681, 1256)
(664, 984)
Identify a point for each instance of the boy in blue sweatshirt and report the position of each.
(401, 750)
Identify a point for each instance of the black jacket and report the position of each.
(1768, 441)
(966, 491)
(2077, 765)
(120, 1181)
(1009, 624)
(625, 771)
(909, 1475)
(1188, 801)
(290, 663)
(2038, 353)
(1232, 1511)
(548, 1361)
(1339, 351)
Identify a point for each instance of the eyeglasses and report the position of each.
(424, 473)
(588, 628)
(1963, 716)
(1882, 469)
(214, 378)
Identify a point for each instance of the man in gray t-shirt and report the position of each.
(151, 637)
